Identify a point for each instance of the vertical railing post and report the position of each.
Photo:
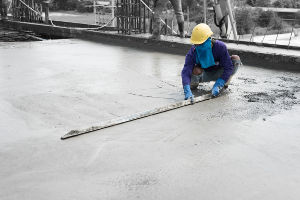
(144, 19)
(46, 12)
(204, 10)
(166, 26)
(113, 13)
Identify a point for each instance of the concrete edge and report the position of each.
(278, 46)
(265, 60)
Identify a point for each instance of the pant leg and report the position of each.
(177, 6)
(195, 80)
(214, 75)
(1, 7)
(236, 63)
(159, 6)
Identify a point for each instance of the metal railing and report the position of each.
(27, 10)
(135, 16)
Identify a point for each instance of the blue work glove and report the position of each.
(188, 93)
(219, 84)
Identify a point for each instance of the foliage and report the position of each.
(64, 4)
(80, 6)
(276, 23)
(263, 3)
(244, 21)
(251, 2)
(239, 3)
(84, 7)
(259, 3)
(265, 18)
(189, 3)
(286, 4)
(298, 17)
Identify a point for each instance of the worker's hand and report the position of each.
(219, 84)
(188, 93)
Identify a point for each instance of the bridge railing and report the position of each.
(27, 10)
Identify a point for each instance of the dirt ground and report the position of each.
(244, 144)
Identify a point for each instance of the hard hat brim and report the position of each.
(202, 41)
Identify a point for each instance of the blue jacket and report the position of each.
(221, 57)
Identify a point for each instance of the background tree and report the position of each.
(259, 3)
(64, 4)
(264, 18)
(277, 4)
(239, 3)
(251, 2)
(263, 3)
(298, 17)
(244, 21)
(277, 23)
(286, 4)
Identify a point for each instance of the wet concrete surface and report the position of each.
(244, 144)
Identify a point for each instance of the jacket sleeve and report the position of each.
(226, 63)
(187, 70)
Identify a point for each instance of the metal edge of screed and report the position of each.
(128, 118)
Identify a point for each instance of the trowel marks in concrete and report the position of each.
(280, 90)
(255, 92)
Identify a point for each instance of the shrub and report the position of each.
(244, 21)
(287, 4)
(298, 17)
(71, 4)
(263, 3)
(276, 23)
(277, 4)
(259, 3)
(251, 2)
(64, 4)
(83, 7)
(80, 7)
(265, 18)
(284, 4)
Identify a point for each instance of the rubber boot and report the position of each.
(181, 29)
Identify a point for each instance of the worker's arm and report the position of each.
(187, 70)
(186, 73)
(226, 63)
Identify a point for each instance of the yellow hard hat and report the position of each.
(200, 33)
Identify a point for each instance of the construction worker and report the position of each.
(207, 60)
(159, 6)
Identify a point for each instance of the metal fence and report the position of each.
(286, 32)
(27, 10)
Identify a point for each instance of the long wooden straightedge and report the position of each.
(136, 116)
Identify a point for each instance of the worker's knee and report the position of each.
(236, 61)
(194, 86)
(197, 70)
(195, 80)
(235, 57)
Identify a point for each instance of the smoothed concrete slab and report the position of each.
(242, 145)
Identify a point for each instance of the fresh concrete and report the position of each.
(242, 145)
